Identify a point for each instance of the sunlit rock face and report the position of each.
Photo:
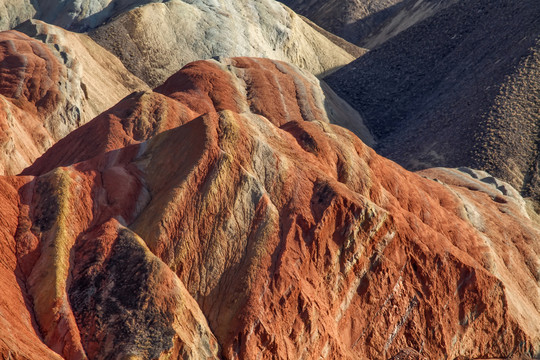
(50, 84)
(224, 215)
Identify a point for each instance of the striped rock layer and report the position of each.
(224, 216)
(49, 86)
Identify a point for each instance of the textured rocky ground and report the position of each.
(460, 88)
(401, 17)
(367, 23)
(49, 86)
(14, 12)
(208, 222)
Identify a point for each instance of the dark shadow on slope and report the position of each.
(332, 16)
(363, 28)
(429, 93)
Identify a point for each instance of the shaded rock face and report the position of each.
(459, 88)
(367, 23)
(76, 15)
(352, 49)
(244, 231)
(45, 89)
(82, 15)
(400, 17)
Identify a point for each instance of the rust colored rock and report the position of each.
(45, 89)
(88, 286)
(242, 85)
(29, 93)
(229, 227)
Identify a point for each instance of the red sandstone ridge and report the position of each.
(234, 227)
(45, 91)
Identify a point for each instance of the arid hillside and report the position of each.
(218, 179)
(154, 39)
(353, 20)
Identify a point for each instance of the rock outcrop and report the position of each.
(81, 284)
(146, 36)
(460, 88)
(49, 85)
(255, 229)
(83, 15)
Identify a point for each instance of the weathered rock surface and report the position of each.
(77, 15)
(103, 78)
(83, 285)
(460, 88)
(367, 23)
(82, 15)
(156, 40)
(352, 49)
(401, 17)
(242, 228)
(50, 85)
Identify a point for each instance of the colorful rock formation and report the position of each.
(207, 221)
(242, 85)
(49, 88)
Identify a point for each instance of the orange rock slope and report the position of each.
(223, 216)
